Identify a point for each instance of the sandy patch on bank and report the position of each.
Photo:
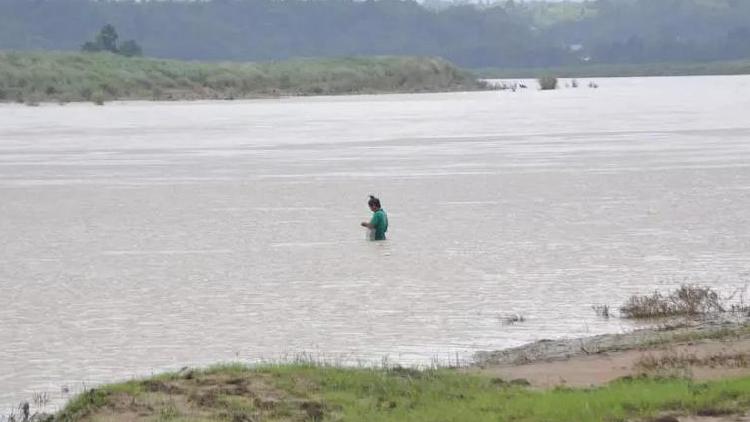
(704, 360)
(700, 350)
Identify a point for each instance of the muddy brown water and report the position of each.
(139, 237)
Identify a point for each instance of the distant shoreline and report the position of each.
(60, 77)
(32, 78)
(736, 67)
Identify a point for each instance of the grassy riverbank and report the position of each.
(688, 373)
(698, 364)
(62, 77)
(739, 67)
(301, 392)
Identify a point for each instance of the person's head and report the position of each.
(374, 203)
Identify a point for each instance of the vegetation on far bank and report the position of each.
(319, 393)
(99, 77)
(736, 67)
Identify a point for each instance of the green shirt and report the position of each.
(379, 223)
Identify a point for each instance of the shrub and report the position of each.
(547, 82)
(688, 300)
(98, 98)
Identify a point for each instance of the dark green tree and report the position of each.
(107, 38)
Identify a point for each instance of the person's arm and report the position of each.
(373, 222)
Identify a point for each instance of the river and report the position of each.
(139, 236)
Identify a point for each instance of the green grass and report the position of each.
(307, 392)
(739, 67)
(100, 77)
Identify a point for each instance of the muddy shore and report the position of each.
(703, 349)
(707, 349)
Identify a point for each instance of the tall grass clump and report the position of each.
(547, 82)
(688, 300)
(602, 311)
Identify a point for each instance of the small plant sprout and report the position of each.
(602, 311)
(513, 318)
(40, 400)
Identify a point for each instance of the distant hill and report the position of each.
(507, 34)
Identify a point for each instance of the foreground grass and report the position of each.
(738, 67)
(62, 77)
(301, 392)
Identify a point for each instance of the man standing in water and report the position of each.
(378, 224)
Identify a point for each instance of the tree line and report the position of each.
(507, 34)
